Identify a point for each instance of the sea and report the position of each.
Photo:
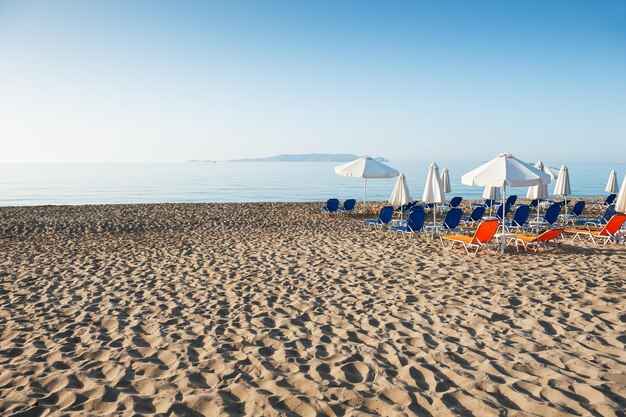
(30, 184)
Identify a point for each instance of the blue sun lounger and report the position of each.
(348, 206)
(332, 206)
(488, 203)
(510, 201)
(548, 219)
(608, 213)
(609, 200)
(520, 218)
(384, 217)
(414, 223)
(450, 223)
(506, 208)
(576, 212)
(475, 216)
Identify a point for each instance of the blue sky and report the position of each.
(409, 80)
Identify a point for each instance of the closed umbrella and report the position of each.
(505, 170)
(365, 167)
(562, 186)
(492, 193)
(433, 190)
(541, 191)
(620, 203)
(611, 186)
(445, 181)
(400, 195)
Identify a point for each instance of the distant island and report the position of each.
(308, 157)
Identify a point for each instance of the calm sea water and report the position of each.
(62, 183)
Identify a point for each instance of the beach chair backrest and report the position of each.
(521, 215)
(349, 204)
(552, 213)
(452, 219)
(332, 204)
(489, 202)
(385, 215)
(511, 200)
(549, 235)
(485, 231)
(608, 214)
(534, 203)
(500, 211)
(503, 208)
(416, 219)
(610, 199)
(613, 225)
(456, 201)
(477, 213)
(417, 207)
(578, 208)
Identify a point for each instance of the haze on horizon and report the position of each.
(423, 80)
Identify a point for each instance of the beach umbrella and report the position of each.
(433, 190)
(445, 181)
(365, 167)
(492, 193)
(502, 171)
(611, 186)
(400, 194)
(552, 172)
(541, 191)
(562, 186)
(620, 203)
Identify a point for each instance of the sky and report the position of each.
(416, 80)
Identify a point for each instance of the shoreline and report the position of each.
(594, 198)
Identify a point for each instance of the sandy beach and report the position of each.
(268, 309)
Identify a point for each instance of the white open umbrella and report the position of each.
(400, 194)
(502, 171)
(445, 181)
(562, 186)
(611, 186)
(620, 203)
(365, 167)
(433, 190)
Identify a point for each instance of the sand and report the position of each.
(275, 309)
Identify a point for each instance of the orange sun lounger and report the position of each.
(606, 234)
(484, 233)
(537, 241)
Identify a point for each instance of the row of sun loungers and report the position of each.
(333, 206)
(602, 230)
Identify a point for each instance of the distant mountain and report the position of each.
(308, 157)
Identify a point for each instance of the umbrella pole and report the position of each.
(502, 238)
(364, 193)
(538, 208)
